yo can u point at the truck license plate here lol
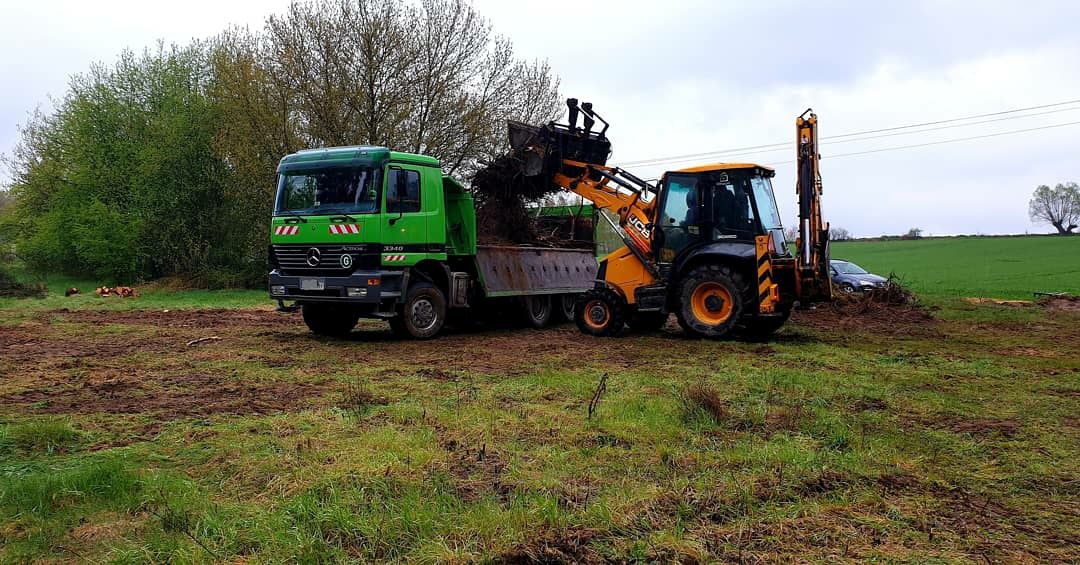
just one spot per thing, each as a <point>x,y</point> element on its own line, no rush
<point>312,284</point>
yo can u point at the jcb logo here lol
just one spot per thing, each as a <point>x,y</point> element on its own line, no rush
<point>639,226</point>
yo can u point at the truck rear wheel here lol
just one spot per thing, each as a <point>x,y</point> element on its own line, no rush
<point>423,314</point>
<point>537,310</point>
<point>565,303</point>
<point>329,319</point>
<point>600,312</point>
<point>710,300</point>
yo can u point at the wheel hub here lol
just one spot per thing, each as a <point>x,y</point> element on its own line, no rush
<point>714,303</point>
<point>423,314</point>
<point>597,314</point>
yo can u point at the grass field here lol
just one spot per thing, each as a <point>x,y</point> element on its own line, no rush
<point>893,436</point>
<point>998,267</point>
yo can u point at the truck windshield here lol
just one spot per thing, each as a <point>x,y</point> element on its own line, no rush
<point>328,191</point>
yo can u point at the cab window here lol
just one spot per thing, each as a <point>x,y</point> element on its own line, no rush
<point>402,191</point>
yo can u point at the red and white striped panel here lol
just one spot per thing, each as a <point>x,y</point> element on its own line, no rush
<point>286,230</point>
<point>342,229</point>
<point>393,258</point>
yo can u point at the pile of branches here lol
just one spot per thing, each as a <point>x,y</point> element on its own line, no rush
<point>890,298</point>
<point>502,193</point>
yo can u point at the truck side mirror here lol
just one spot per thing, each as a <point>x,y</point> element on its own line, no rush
<point>395,191</point>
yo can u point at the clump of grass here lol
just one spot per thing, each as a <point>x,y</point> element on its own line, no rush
<point>358,397</point>
<point>701,403</point>
<point>40,436</point>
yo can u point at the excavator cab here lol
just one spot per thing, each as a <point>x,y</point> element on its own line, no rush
<point>722,203</point>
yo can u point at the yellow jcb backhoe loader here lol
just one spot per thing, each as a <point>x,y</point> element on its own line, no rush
<point>704,242</point>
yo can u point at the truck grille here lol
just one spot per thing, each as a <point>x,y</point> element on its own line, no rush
<point>294,259</point>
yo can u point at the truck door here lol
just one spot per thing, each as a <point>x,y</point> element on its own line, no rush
<point>405,229</point>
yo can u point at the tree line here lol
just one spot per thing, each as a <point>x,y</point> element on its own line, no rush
<point>162,163</point>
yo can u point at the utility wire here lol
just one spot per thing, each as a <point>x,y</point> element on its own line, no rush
<point>688,156</point>
<point>974,137</point>
<point>787,146</point>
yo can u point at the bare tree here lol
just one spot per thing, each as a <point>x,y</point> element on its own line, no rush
<point>839,234</point>
<point>431,78</point>
<point>1058,206</point>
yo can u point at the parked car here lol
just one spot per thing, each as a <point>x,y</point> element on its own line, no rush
<point>849,277</point>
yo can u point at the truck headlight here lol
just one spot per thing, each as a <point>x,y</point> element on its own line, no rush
<point>355,292</point>
<point>277,290</point>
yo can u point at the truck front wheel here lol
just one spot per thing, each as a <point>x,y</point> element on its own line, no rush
<point>330,319</point>
<point>423,314</point>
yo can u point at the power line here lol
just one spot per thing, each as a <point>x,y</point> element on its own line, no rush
<point>787,146</point>
<point>899,147</point>
<point>684,157</point>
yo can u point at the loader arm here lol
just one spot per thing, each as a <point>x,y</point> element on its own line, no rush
<point>616,191</point>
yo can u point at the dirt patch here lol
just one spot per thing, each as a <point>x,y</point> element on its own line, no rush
<point>1061,303</point>
<point>987,426</point>
<point>866,404</point>
<point>570,545</point>
<point>167,397</point>
<point>897,320</point>
<point>981,427</point>
<point>210,318</point>
<point>475,470</point>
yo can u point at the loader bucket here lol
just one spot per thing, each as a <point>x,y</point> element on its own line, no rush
<point>542,149</point>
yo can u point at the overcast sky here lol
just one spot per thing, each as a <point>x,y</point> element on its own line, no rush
<point>677,78</point>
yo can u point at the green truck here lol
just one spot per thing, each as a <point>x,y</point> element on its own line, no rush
<point>369,232</point>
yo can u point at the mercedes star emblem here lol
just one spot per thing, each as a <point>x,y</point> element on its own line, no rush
<point>313,257</point>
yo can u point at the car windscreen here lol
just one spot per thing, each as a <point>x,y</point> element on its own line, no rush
<point>343,190</point>
<point>849,269</point>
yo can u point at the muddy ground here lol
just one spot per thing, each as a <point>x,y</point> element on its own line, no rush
<point>964,405</point>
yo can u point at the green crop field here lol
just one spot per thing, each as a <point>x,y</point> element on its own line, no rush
<point>992,267</point>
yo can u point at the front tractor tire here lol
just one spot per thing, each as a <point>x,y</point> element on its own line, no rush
<point>600,312</point>
<point>423,314</point>
<point>711,301</point>
<point>330,320</point>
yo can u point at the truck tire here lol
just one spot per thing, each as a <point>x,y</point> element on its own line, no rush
<point>765,326</point>
<point>711,300</point>
<point>423,314</point>
<point>565,304</point>
<point>600,312</point>
<point>329,319</point>
<point>646,322</point>
<point>537,310</point>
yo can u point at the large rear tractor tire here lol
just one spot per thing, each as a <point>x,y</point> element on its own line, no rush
<point>537,310</point>
<point>423,314</point>
<point>647,322</point>
<point>711,299</point>
<point>331,320</point>
<point>600,312</point>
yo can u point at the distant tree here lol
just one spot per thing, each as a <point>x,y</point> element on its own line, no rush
<point>790,233</point>
<point>1058,206</point>
<point>913,233</point>
<point>839,234</point>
